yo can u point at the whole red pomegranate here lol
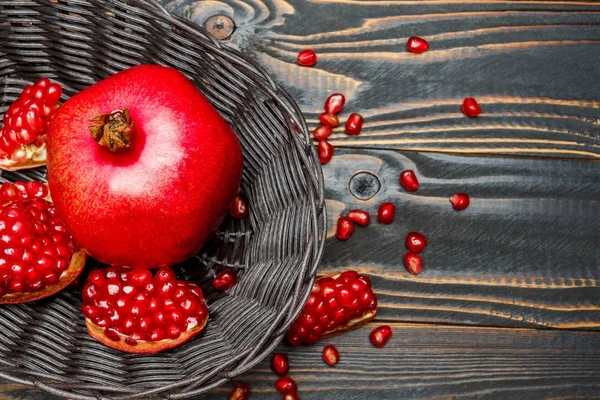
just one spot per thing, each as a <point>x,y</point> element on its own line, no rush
<point>142,168</point>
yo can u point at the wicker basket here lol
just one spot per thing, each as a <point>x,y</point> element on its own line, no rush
<point>276,249</point>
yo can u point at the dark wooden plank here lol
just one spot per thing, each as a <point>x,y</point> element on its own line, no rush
<point>427,362</point>
<point>531,64</point>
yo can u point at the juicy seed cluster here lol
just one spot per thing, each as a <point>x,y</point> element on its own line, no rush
<point>142,307</point>
<point>333,304</point>
<point>35,248</point>
<point>26,119</point>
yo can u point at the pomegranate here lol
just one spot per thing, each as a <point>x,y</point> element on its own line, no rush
<point>155,177</point>
<point>460,201</point>
<point>325,150</point>
<point>381,335</point>
<point>331,355</point>
<point>334,103</point>
<point>330,120</point>
<point>307,58</point>
<point>225,279</point>
<point>38,257</point>
<point>470,107</point>
<point>241,391</point>
<point>413,262</point>
<point>285,384</point>
<point>239,208</point>
<point>345,228</point>
<point>359,217</point>
<point>416,242</point>
<point>416,44</point>
<point>280,365</point>
<point>337,303</point>
<point>386,213</point>
<point>409,180</point>
<point>354,124</point>
<point>132,311</point>
<point>322,132</point>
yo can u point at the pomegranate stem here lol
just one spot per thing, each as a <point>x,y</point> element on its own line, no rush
<point>113,131</point>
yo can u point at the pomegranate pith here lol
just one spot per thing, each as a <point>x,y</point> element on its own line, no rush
<point>331,355</point>
<point>280,365</point>
<point>307,58</point>
<point>413,262</point>
<point>409,180</point>
<point>354,124</point>
<point>240,391</point>
<point>386,213</point>
<point>381,335</point>
<point>359,217</point>
<point>335,103</point>
<point>460,201</point>
<point>285,384</point>
<point>416,242</point>
<point>225,279</point>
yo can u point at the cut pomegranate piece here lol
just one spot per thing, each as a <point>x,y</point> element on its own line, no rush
<point>241,391</point>
<point>416,241</point>
<point>325,150</point>
<point>331,355</point>
<point>322,132</point>
<point>225,279</point>
<point>285,384</point>
<point>386,213</point>
<point>239,208</point>
<point>409,180</point>
<point>359,217</point>
<point>470,107</point>
<point>38,257</point>
<point>381,335</point>
<point>417,45</point>
<point>330,120</point>
<point>335,103</point>
<point>354,124</point>
<point>307,58</point>
<point>460,201</point>
<point>280,365</point>
<point>337,303</point>
<point>345,228</point>
<point>413,262</point>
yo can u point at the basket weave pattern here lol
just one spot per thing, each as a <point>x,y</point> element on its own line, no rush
<point>275,250</point>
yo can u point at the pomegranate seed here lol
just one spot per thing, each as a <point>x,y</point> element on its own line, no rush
<point>240,391</point>
<point>345,228</point>
<point>225,279</point>
<point>354,124</point>
<point>307,58</point>
<point>417,45</point>
<point>331,355</point>
<point>359,217</point>
<point>279,364</point>
<point>460,201</point>
<point>416,242</point>
<point>386,213</point>
<point>381,335</point>
<point>322,132</point>
<point>330,120</point>
<point>239,208</point>
<point>325,150</point>
<point>409,181</point>
<point>335,103</point>
<point>290,396</point>
<point>285,384</point>
<point>470,107</point>
<point>413,262</point>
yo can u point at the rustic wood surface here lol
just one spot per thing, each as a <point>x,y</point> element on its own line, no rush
<point>508,305</point>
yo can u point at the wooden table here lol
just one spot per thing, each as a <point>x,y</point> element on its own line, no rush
<point>508,305</point>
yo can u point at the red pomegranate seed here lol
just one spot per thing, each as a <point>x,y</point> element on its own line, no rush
<point>325,150</point>
<point>239,208</point>
<point>386,213</point>
<point>345,228</point>
<point>331,355</point>
<point>322,132</point>
<point>354,124</point>
<point>330,120</point>
<point>409,180</point>
<point>417,45</point>
<point>413,262</point>
<point>416,242</point>
<point>335,103</point>
<point>280,365</point>
<point>359,217</point>
<point>470,107</point>
<point>381,335</point>
<point>241,391</point>
<point>307,58</point>
<point>460,201</point>
<point>225,279</point>
<point>290,396</point>
<point>285,384</point>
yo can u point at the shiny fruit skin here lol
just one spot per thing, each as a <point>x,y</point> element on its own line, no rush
<point>157,203</point>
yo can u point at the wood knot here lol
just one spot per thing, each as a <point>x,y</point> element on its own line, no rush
<point>220,27</point>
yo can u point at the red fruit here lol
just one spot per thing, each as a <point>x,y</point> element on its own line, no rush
<point>337,303</point>
<point>360,217</point>
<point>225,279</point>
<point>470,107</point>
<point>239,208</point>
<point>460,201</point>
<point>163,319</point>
<point>307,58</point>
<point>322,132</point>
<point>413,262</point>
<point>38,257</point>
<point>417,45</point>
<point>416,242</point>
<point>409,180</point>
<point>386,213</point>
<point>290,396</point>
<point>162,189</point>
<point>331,355</point>
<point>240,391</point>
<point>335,103</point>
<point>354,124</point>
<point>285,384</point>
<point>330,120</point>
<point>381,335</point>
<point>325,150</point>
<point>345,228</point>
<point>279,364</point>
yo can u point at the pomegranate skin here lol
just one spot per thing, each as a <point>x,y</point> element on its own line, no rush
<point>158,202</point>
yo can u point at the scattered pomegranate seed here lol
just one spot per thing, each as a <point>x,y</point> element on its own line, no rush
<point>470,107</point>
<point>360,217</point>
<point>416,241</point>
<point>354,124</point>
<point>386,213</point>
<point>330,120</point>
<point>381,335</point>
<point>331,355</point>
<point>280,365</point>
<point>322,132</point>
<point>307,58</point>
<point>290,396</point>
<point>417,45</point>
<point>285,384</point>
<point>239,208</point>
<point>345,228</point>
<point>325,150</point>
<point>409,180</point>
<point>240,391</point>
<point>335,103</point>
<point>225,279</point>
<point>460,201</point>
<point>413,262</point>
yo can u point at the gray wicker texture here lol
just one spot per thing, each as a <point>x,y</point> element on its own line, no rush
<point>275,250</point>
